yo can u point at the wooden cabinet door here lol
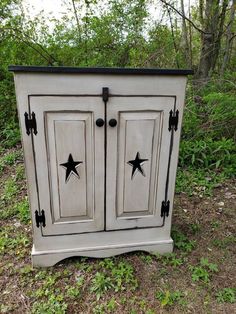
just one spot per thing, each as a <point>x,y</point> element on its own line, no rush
<point>138,150</point>
<point>69,163</point>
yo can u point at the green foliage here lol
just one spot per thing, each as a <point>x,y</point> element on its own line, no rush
<point>23,211</point>
<point>203,271</point>
<point>168,298</point>
<point>118,277</point>
<point>10,159</point>
<point>10,244</point>
<point>171,259</point>
<point>203,164</point>
<point>147,258</point>
<point>195,228</point>
<point>225,242</point>
<point>207,150</point>
<point>10,190</point>
<point>100,284</point>
<point>123,276</point>
<point>10,135</point>
<point>181,241</point>
<point>221,110</point>
<point>54,304</point>
<point>107,307</point>
<point>75,292</point>
<point>209,154</point>
<point>226,295</point>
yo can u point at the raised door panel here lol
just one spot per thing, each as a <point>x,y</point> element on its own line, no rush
<point>137,161</point>
<point>69,158</point>
<point>138,152</point>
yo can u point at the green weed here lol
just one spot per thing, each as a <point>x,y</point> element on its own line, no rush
<point>10,190</point>
<point>205,163</point>
<point>117,277</point>
<point>100,284</point>
<point>8,212</point>
<point>20,172</point>
<point>203,271</point>
<point>23,211</point>
<point>181,241</point>
<point>147,258</point>
<point>226,295</point>
<point>225,242</point>
<point>12,244</point>
<point>10,135</point>
<point>168,298</point>
<point>75,291</point>
<point>123,276</point>
<point>195,228</point>
<point>107,263</point>
<point>11,158</point>
<point>54,304</point>
<point>208,154</point>
<point>107,307</point>
<point>171,259</point>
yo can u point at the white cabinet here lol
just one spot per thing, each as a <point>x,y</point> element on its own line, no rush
<point>101,148</point>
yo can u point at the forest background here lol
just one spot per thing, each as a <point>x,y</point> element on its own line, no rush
<point>200,35</point>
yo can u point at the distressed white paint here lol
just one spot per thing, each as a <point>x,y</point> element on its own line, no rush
<point>75,210</point>
<point>143,127</point>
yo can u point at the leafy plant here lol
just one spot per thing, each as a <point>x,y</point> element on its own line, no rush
<point>225,242</point>
<point>123,276</point>
<point>10,135</point>
<point>54,304</point>
<point>226,295</point>
<point>23,211</point>
<point>208,154</point>
<point>100,284</point>
<point>171,259</point>
<point>10,244</point>
<point>75,291</point>
<point>11,157</point>
<point>147,258</point>
<point>10,190</point>
<point>181,241</point>
<point>168,298</point>
<point>203,270</point>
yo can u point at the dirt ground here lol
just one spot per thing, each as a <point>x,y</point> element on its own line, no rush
<point>191,280</point>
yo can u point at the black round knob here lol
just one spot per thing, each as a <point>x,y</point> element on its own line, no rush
<point>113,123</point>
<point>100,122</point>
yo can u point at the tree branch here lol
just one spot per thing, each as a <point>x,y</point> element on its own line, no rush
<point>29,44</point>
<point>76,16</point>
<point>33,41</point>
<point>185,17</point>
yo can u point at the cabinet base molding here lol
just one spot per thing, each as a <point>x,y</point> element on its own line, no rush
<point>42,258</point>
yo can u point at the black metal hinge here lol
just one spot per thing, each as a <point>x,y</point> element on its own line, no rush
<point>165,207</point>
<point>105,94</point>
<point>40,219</point>
<point>30,124</point>
<point>173,120</point>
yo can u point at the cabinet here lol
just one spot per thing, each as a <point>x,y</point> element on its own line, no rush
<point>100,148</point>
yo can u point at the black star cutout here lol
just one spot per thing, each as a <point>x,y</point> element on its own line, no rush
<point>136,164</point>
<point>70,167</point>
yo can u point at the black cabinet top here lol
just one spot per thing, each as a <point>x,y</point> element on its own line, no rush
<point>90,70</point>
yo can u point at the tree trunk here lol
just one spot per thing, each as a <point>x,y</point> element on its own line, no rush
<point>213,22</point>
<point>229,38</point>
<point>217,44</point>
<point>184,39</point>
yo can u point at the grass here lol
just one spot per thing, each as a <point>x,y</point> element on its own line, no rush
<point>199,273</point>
